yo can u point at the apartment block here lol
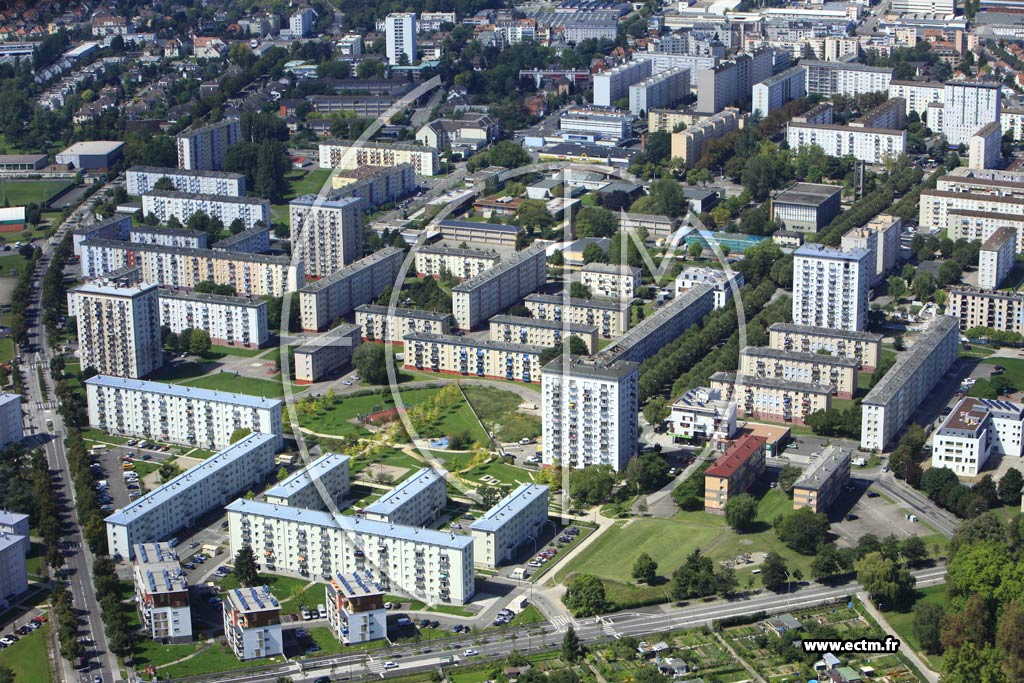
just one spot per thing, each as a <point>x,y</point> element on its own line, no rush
<point>13,568</point>
<point>168,237</point>
<point>348,155</point>
<point>863,347</point>
<point>977,181</point>
<point>656,226</point>
<point>1012,121</point>
<point>663,326</point>
<point>890,115</point>
<point>845,78</point>
<point>823,481</point>
<point>400,38</point>
<point>182,205</point>
<point>429,565</point>
<point>118,328</point>
<point>737,471</point>
<point>252,623</point>
<point>178,414</point>
<point>180,502</point>
<point>477,299</point>
<point>592,123</point>
<point>613,84</point>
<point>204,149</point>
<point>917,95</point>
<point>383,324</point>
<point>506,528</point>
<point>328,299</point>
<point>721,280</point>
<point>326,233</point>
<point>895,398</point>
<point>252,241</point>
<point>689,143</point>
<point>731,82</point>
<point>975,430</point>
<point>416,502</point>
<point>985,146</point>
<point>880,237</point>
<point>775,92</point>
<point>664,89</point>
<point>965,211</point>
<point>229,320</point>
<point>374,186</point>
<point>490,234</point>
<point>116,228</point>
<point>768,398</point>
<point>589,412</point>
<point>355,607</point>
<point>1000,311</point>
<point>323,484</point>
<point>835,372</point>
<point>249,274</point>
<point>462,355</point>
<point>539,332</point>
<point>870,145</point>
<point>997,257</point>
<point>142,179</point>
<point>701,415</point>
<point>806,207</point>
<point>967,107</point>
<point>830,287</point>
<point>323,354</point>
<point>161,593</point>
<point>464,264</point>
<point>610,317</point>
<point>12,421</point>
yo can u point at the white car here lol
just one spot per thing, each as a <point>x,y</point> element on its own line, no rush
<point>390,665</point>
<point>471,653</point>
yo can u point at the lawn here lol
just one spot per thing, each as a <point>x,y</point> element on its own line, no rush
<point>451,609</point>
<point>306,182</point>
<point>181,371</point>
<point>1014,368</point>
<point>148,651</point>
<point>211,660</point>
<point>12,265</point>
<point>903,622</point>
<point>22,192</point>
<point>284,588</point>
<point>498,409</point>
<point>35,563</point>
<point>238,384</point>
<point>28,657</point>
<point>216,352</point>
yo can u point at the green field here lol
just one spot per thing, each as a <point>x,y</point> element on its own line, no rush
<point>1014,369</point>
<point>21,192</point>
<point>306,182</point>
<point>28,657</point>
<point>903,622</point>
<point>499,411</point>
<point>212,659</point>
<point>12,264</point>
<point>238,384</point>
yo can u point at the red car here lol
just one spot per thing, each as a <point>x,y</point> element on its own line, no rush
<point>41,619</point>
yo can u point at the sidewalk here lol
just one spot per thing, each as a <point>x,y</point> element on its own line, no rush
<point>907,651</point>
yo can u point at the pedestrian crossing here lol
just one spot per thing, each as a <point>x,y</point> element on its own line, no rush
<point>45,405</point>
<point>375,666</point>
<point>562,623</point>
<point>608,627</point>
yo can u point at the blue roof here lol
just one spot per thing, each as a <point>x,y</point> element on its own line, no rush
<point>183,391</point>
<point>404,492</point>
<point>8,517</point>
<point>308,474</point>
<point>355,525</point>
<point>168,491</point>
<point>509,506</point>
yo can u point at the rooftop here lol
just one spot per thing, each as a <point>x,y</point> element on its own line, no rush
<point>831,460</point>
<point>736,456</point>
<point>240,237</point>
<point>394,499</point>
<point>7,517</point>
<point>782,354</point>
<point>318,201</point>
<point>221,299</point>
<point>100,288</point>
<point>820,251</point>
<point>472,342</point>
<point>373,309</point>
<point>500,268</point>
<point>909,362</point>
<point>351,269</point>
<point>336,336</point>
<point>190,251</point>
<point>845,66</point>
<point>379,145</point>
<point>224,199</point>
<point>541,322</point>
<point>1000,237</point>
<point>162,170</point>
<point>94,147</point>
<point>179,390</point>
<point>808,194</point>
<point>357,584</point>
<point>589,366</point>
<point>848,129</point>
<point>509,506</point>
<point>792,328</point>
<point>158,570</point>
<point>465,253</point>
<point>611,269</point>
<point>770,383</point>
<point>158,230</point>
<point>250,600</point>
<point>560,300</point>
<point>482,227</point>
<point>308,474</point>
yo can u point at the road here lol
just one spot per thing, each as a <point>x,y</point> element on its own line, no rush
<point>39,408</point>
<point>496,645</point>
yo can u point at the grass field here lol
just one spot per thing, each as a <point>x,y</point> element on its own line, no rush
<point>21,192</point>
<point>499,411</point>
<point>229,381</point>
<point>12,264</point>
<point>210,660</point>
<point>28,657</point>
<point>903,622</point>
<point>306,182</point>
<point>1014,368</point>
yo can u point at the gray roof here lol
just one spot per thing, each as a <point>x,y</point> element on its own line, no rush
<point>484,227</point>
<point>332,337</point>
<point>378,145</point>
<point>792,328</point>
<point>583,366</point>
<point>8,517</point>
<point>158,230</point>
<point>808,194</point>
<point>242,236</point>
<point>770,383</point>
<point>308,474</point>
<point>821,469</point>
<point>560,300</point>
<point>523,321</point>
<point>845,66</point>
<point>508,507</point>
<point>190,251</point>
<point>220,299</point>
<point>501,267</point>
<point>909,362</point>
<point>179,390</point>
<point>351,269</point>
<point>163,170</point>
<point>401,312</point>
<point>391,501</point>
<point>611,269</point>
<point>467,253</point>
<point>782,75</point>
<point>207,128</point>
<point>782,354</point>
<point>456,340</point>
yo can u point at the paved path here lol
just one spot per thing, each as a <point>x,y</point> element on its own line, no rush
<point>660,503</point>
<point>904,647</point>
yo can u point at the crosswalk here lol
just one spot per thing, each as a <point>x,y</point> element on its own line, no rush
<point>608,627</point>
<point>562,623</point>
<point>375,666</point>
<point>45,405</point>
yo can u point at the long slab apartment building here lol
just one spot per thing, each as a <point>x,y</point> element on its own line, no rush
<point>837,373</point>
<point>502,530</point>
<point>416,502</point>
<point>610,317</point>
<point>354,155</point>
<point>142,179</point>
<point>178,414</point>
<point>469,356</point>
<point>863,347</point>
<point>321,485</point>
<point>497,288</point>
<point>390,325</point>
<point>772,398</point>
<point>320,356</point>
<point>183,500</point>
<point>539,332</point>
<point>183,205</point>
<point>229,320</point>
<point>328,299</point>
<point>464,264</point>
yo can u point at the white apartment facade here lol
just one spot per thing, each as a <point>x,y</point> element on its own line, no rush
<point>997,257</point>
<point>771,398</point>
<point>229,320</point>
<point>613,84</point>
<point>611,281</point>
<point>13,569</point>
<point>140,179</point>
<point>664,89</point>
<point>701,415</point>
<point>321,485</point>
<point>975,430</point>
<point>539,332</point>
<point>12,422</point>
<point>870,145</point>
<point>204,149</point>
<point>349,156</point>
<point>328,299</point>
<point>168,237</point>
<point>863,347</point>
<point>161,593</point>
<point>880,237</point>
<point>830,287</point>
<point>985,146</point>
<point>845,78</point>
<point>497,288</point>
<point>325,353</point>
<point>515,520</point>
<point>469,356</point>
<point>183,205</point>
<point>917,95</point>
<point>326,233</point>
<point>463,264</point>
<point>721,280</point>
<point>355,607</point>
<point>400,38</point>
<point>967,107</point>
<point>610,317</point>
<point>118,328</point>
<point>383,324</point>
<point>417,501</point>
<point>1000,311</point>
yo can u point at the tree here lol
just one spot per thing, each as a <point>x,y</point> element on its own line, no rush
<point>897,288</point>
<point>1010,639</point>
<point>578,290</point>
<point>695,578</point>
<point>371,362</point>
<point>885,580</point>
<point>830,562</point>
<point>913,549</point>
<point>923,285</point>
<point>240,434</point>
<point>657,411</point>
<point>645,569</point>
<point>788,476</point>
<point>802,530</point>
<point>741,511</point>
<point>928,627</point>
<point>591,485</point>
<point>199,342</point>
<point>970,664</point>
<point>1010,485</point>
<point>490,495</point>
<point>571,648</point>
<point>695,250</point>
<point>726,582</point>
<point>585,595</point>
<point>593,253</point>
<point>245,566</point>
<point>595,221</point>
<point>774,574</point>
<point>6,674</point>
<point>282,473</point>
<point>646,472</point>
<point>533,215</point>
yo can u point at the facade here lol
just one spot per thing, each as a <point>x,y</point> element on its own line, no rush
<point>140,179</point>
<point>168,237</point>
<point>894,399</point>
<point>468,134</point>
<point>806,207</point>
<point>252,241</point>
<point>985,146</point>
<point>610,317</point>
<point>890,115</point>
<point>118,328</point>
<point>870,145</point>
<point>823,481</point>
<point>774,93</point>
<point>348,156</point>
<point>463,355</point>
<point>721,280</point>
<point>975,430</point>
<point>1011,120</point>
<point>93,155</point>
<point>775,400</point>
<point>229,320</point>
<point>611,281</point>
<point>967,108</point>
<point>656,226</point>
<point>161,593</point>
<point>203,149</point>
<point>731,82</point>
<point>13,569</point>
<point>178,414</point>
<point>702,415</point>
<point>430,565</point>
<point>400,38</point>
<point>179,267</point>
<point>491,234</point>
<point>881,239</point>
<point>539,332</point>
<point>590,124</point>
<point>517,519</point>
<point>830,287</point>
<point>252,623</point>
<point>689,143</point>
<point>613,84</point>
<point>1000,311</point>
<point>967,212</point>
<point>182,205</point>
<point>328,299</point>
<point>659,329</point>
<point>375,185</point>
<point>863,347</point>
<point>321,485</point>
<point>589,410</point>
<point>845,78</point>
<point>664,89</point>
<point>837,373</point>
<point>116,228</point>
<point>737,471</point>
<point>463,264</point>
<point>378,323</point>
<point>416,502</point>
<point>12,422</point>
<point>355,607</point>
<point>325,353</point>
<point>917,95</point>
<point>326,233</point>
<point>497,288</point>
<point>180,502</point>
<point>996,257</point>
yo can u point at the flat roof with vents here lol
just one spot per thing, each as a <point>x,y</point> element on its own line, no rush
<point>509,506</point>
<point>391,501</point>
